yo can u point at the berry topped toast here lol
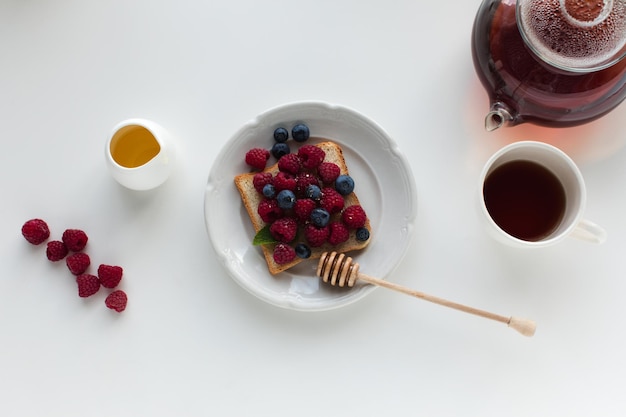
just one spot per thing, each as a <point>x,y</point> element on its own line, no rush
<point>303,205</point>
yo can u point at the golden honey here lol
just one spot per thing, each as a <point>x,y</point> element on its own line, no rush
<point>133,146</point>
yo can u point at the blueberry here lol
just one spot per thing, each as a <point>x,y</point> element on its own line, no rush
<point>362,234</point>
<point>280,149</point>
<point>281,135</point>
<point>300,132</point>
<point>286,199</point>
<point>269,191</point>
<point>302,251</point>
<point>344,184</point>
<point>313,191</point>
<point>320,217</point>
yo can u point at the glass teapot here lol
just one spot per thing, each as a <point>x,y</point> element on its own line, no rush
<point>550,62</point>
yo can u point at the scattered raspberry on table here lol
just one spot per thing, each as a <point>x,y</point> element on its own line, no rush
<point>35,231</point>
<point>78,263</point>
<point>110,275</point>
<point>88,285</point>
<point>117,301</point>
<point>75,239</point>
<point>56,250</point>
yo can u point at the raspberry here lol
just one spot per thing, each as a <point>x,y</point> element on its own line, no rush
<point>56,250</point>
<point>354,216</point>
<point>303,208</point>
<point>283,254</point>
<point>303,181</point>
<point>284,181</point>
<point>117,301</point>
<point>290,163</point>
<point>87,285</point>
<point>75,239</point>
<point>284,230</point>
<point>257,158</point>
<point>311,156</point>
<point>35,231</point>
<point>328,172</point>
<point>269,211</point>
<point>78,262</point>
<point>339,233</point>
<point>316,236</point>
<point>331,200</point>
<point>261,179</point>
<point>109,275</point>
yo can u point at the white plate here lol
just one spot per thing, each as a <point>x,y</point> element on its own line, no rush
<point>384,184</point>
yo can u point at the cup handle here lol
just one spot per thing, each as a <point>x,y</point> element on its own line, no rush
<point>589,231</point>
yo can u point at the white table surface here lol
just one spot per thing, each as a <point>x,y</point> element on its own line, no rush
<point>192,342</point>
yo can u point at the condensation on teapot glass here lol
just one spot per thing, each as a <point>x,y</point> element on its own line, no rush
<point>574,35</point>
<point>550,62</point>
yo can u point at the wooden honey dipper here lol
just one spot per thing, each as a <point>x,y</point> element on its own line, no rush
<point>337,269</point>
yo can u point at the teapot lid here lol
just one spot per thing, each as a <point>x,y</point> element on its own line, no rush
<point>574,35</point>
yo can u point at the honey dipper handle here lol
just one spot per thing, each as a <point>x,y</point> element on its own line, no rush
<point>524,326</point>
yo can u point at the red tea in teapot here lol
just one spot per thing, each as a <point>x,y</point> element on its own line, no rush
<point>550,62</point>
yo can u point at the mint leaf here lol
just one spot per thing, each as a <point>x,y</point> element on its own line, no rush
<point>263,237</point>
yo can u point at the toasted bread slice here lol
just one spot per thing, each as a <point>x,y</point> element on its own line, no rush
<point>251,199</point>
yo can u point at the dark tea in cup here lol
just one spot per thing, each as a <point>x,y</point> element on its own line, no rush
<point>525,199</point>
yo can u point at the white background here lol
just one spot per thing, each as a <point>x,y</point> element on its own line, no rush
<point>192,342</point>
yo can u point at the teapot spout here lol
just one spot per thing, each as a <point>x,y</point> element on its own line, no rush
<point>498,116</point>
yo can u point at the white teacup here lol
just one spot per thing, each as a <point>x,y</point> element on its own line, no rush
<point>140,154</point>
<point>532,195</point>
